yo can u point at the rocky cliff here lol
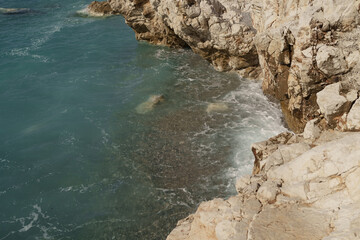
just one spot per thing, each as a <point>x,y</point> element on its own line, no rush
<point>307,53</point>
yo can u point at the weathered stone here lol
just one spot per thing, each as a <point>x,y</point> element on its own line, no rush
<point>312,131</point>
<point>353,118</point>
<point>332,104</point>
<point>290,222</point>
<point>305,197</point>
<point>268,191</point>
<point>100,8</point>
<point>241,183</point>
<point>331,60</point>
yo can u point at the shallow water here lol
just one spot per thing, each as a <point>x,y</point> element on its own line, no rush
<point>76,159</point>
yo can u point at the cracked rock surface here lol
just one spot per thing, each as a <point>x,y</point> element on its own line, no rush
<point>301,189</point>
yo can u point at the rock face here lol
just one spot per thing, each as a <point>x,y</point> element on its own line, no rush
<point>140,15</point>
<point>100,9</point>
<point>300,190</point>
<point>304,46</point>
<point>219,30</point>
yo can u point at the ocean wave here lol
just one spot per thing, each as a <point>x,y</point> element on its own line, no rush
<point>37,43</point>
<point>36,219</point>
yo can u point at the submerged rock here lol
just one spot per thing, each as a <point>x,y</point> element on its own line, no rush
<point>217,107</point>
<point>149,105</point>
<point>15,11</point>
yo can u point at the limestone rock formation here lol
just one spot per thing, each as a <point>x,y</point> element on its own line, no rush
<point>304,46</point>
<point>141,16</point>
<point>100,9</point>
<point>219,30</point>
<point>302,190</point>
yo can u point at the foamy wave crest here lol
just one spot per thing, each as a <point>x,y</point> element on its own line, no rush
<point>85,12</point>
<point>37,43</point>
<point>258,120</point>
<point>33,220</point>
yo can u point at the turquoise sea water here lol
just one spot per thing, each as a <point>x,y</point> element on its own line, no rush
<point>76,159</point>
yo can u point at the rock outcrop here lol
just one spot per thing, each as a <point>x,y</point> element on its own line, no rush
<point>148,25</point>
<point>307,53</point>
<point>301,189</point>
<point>220,31</point>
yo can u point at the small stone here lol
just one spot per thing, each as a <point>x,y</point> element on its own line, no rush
<point>353,117</point>
<point>267,192</point>
<point>312,131</point>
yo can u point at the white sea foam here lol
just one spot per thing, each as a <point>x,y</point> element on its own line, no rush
<point>259,119</point>
<point>79,188</point>
<point>37,43</point>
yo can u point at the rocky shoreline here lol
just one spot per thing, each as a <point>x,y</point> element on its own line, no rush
<point>307,54</point>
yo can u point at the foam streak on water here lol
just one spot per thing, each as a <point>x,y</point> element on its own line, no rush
<point>77,161</point>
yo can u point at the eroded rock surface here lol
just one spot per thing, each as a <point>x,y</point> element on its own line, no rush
<point>302,190</point>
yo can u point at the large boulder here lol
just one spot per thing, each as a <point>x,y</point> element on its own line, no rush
<point>331,102</point>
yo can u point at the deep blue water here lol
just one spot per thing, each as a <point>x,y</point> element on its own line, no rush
<point>77,161</point>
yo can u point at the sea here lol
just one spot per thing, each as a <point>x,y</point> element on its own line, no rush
<point>78,160</point>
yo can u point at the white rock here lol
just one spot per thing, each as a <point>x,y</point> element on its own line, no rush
<point>330,102</point>
<point>331,60</point>
<point>353,117</point>
<point>352,183</point>
<point>267,192</point>
<point>311,131</point>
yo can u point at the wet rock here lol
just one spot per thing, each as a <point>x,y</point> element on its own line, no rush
<point>100,9</point>
<point>15,11</point>
<point>149,105</point>
<point>148,25</point>
<point>217,107</point>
